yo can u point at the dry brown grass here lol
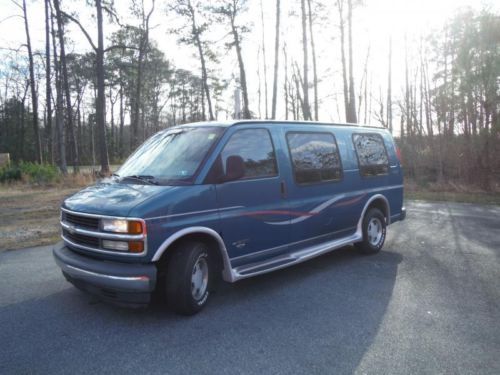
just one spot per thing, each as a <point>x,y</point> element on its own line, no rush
<point>29,215</point>
<point>452,192</point>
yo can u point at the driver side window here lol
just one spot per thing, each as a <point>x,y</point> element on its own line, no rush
<point>256,149</point>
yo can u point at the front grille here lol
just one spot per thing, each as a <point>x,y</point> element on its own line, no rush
<point>81,221</point>
<point>81,239</point>
<point>83,232</point>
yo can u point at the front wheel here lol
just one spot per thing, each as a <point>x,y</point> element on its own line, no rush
<point>374,231</point>
<point>188,278</point>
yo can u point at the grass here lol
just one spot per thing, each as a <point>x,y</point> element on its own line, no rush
<point>450,192</point>
<point>29,215</point>
<point>444,196</point>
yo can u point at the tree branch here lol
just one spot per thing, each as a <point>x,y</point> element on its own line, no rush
<point>81,28</point>
<point>119,46</point>
<point>9,17</point>
<point>112,14</point>
<point>17,4</point>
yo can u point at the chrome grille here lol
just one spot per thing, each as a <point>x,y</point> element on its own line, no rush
<point>81,239</point>
<point>82,231</point>
<point>81,221</point>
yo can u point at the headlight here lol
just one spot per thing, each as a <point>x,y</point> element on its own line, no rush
<point>114,225</point>
<point>122,226</point>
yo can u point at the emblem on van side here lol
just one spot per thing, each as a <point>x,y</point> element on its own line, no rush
<point>241,243</point>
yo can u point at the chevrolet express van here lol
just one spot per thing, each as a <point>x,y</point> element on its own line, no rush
<point>233,200</point>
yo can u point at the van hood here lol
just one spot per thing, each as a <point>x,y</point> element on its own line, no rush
<point>112,198</point>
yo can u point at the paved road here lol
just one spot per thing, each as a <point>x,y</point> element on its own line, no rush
<point>429,303</point>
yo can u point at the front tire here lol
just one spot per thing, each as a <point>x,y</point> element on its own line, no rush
<point>188,278</point>
<point>374,232</point>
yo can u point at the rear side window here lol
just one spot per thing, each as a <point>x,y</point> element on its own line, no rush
<point>372,155</point>
<point>256,149</point>
<point>315,157</point>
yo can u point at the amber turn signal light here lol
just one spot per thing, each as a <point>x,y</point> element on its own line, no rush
<point>134,227</point>
<point>136,246</point>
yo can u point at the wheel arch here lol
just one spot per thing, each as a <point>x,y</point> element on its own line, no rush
<point>378,201</point>
<point>204,234</point>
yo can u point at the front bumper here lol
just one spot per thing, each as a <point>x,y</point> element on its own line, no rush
<point>120,283</point>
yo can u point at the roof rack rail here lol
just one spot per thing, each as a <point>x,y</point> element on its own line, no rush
<point>293,122</point>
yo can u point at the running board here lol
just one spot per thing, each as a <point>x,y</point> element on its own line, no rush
<point>286,260</point>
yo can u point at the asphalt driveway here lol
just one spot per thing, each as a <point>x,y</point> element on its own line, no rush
<point>428,303</point>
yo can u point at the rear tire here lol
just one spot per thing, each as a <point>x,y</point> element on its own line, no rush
<point>188,279</point>
<point>374,232</point>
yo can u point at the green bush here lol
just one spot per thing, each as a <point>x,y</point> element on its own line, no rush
<point>10,173</point>
<point>31,172</point>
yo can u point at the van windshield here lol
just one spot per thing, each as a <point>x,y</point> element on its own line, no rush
<point>170,157</point>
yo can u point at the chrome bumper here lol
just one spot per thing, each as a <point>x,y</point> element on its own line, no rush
<point>96,276</point>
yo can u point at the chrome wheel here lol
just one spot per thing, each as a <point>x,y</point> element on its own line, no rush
<point>374,231</point>
<point>199,278</point>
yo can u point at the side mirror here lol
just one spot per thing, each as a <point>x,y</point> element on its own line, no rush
<point>235,168</point>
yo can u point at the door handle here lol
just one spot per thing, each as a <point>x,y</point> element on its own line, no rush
<point>283,189</point>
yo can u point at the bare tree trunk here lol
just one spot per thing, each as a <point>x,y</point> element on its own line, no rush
<point>340,6</point>
<point>79,117</point>
<point>63,166</point>
<point>69,112</point>
<point>204,75</point>
<point>315,70</point>
<point>34,97</point>
<point>265,60</point>
<point>143,49</point>
<point>305,86</point>
<point>451,124</point>
<point>389,89</point>
<point>112,145</point>
<point>243,79</point>
<point>259,88</point>
<point>407,115</point>
<point>363,100</point>
<point>276,60</point>
<point>59,105</point>
<point>122,119</point>
<point>352,97</point>
<point>101,96</point>
<point>203,113</point>
<point>285,85</point>
<point>48,87</point>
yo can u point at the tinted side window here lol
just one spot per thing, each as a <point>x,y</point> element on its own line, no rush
<point>256,149</point>
<point>315,157</point>
<point>372,155</point>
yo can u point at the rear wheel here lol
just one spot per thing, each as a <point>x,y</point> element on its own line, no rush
<point>188,278</point>
<point>374,231</point>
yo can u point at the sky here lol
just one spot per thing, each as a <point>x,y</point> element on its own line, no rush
<point>374,24</point>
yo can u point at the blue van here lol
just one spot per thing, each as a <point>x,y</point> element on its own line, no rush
<point>233,200</point>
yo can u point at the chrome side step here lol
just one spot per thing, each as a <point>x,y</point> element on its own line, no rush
<point>286,260</point>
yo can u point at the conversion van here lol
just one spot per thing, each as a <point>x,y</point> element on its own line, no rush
<point>233,200</point>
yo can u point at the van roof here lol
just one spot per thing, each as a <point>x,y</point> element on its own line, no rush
<point>229,123</point>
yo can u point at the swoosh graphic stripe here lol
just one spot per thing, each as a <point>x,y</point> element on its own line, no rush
<point>331,201</point>
<point>278,212</point>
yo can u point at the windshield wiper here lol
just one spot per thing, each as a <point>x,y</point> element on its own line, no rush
<point>144,178</point>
